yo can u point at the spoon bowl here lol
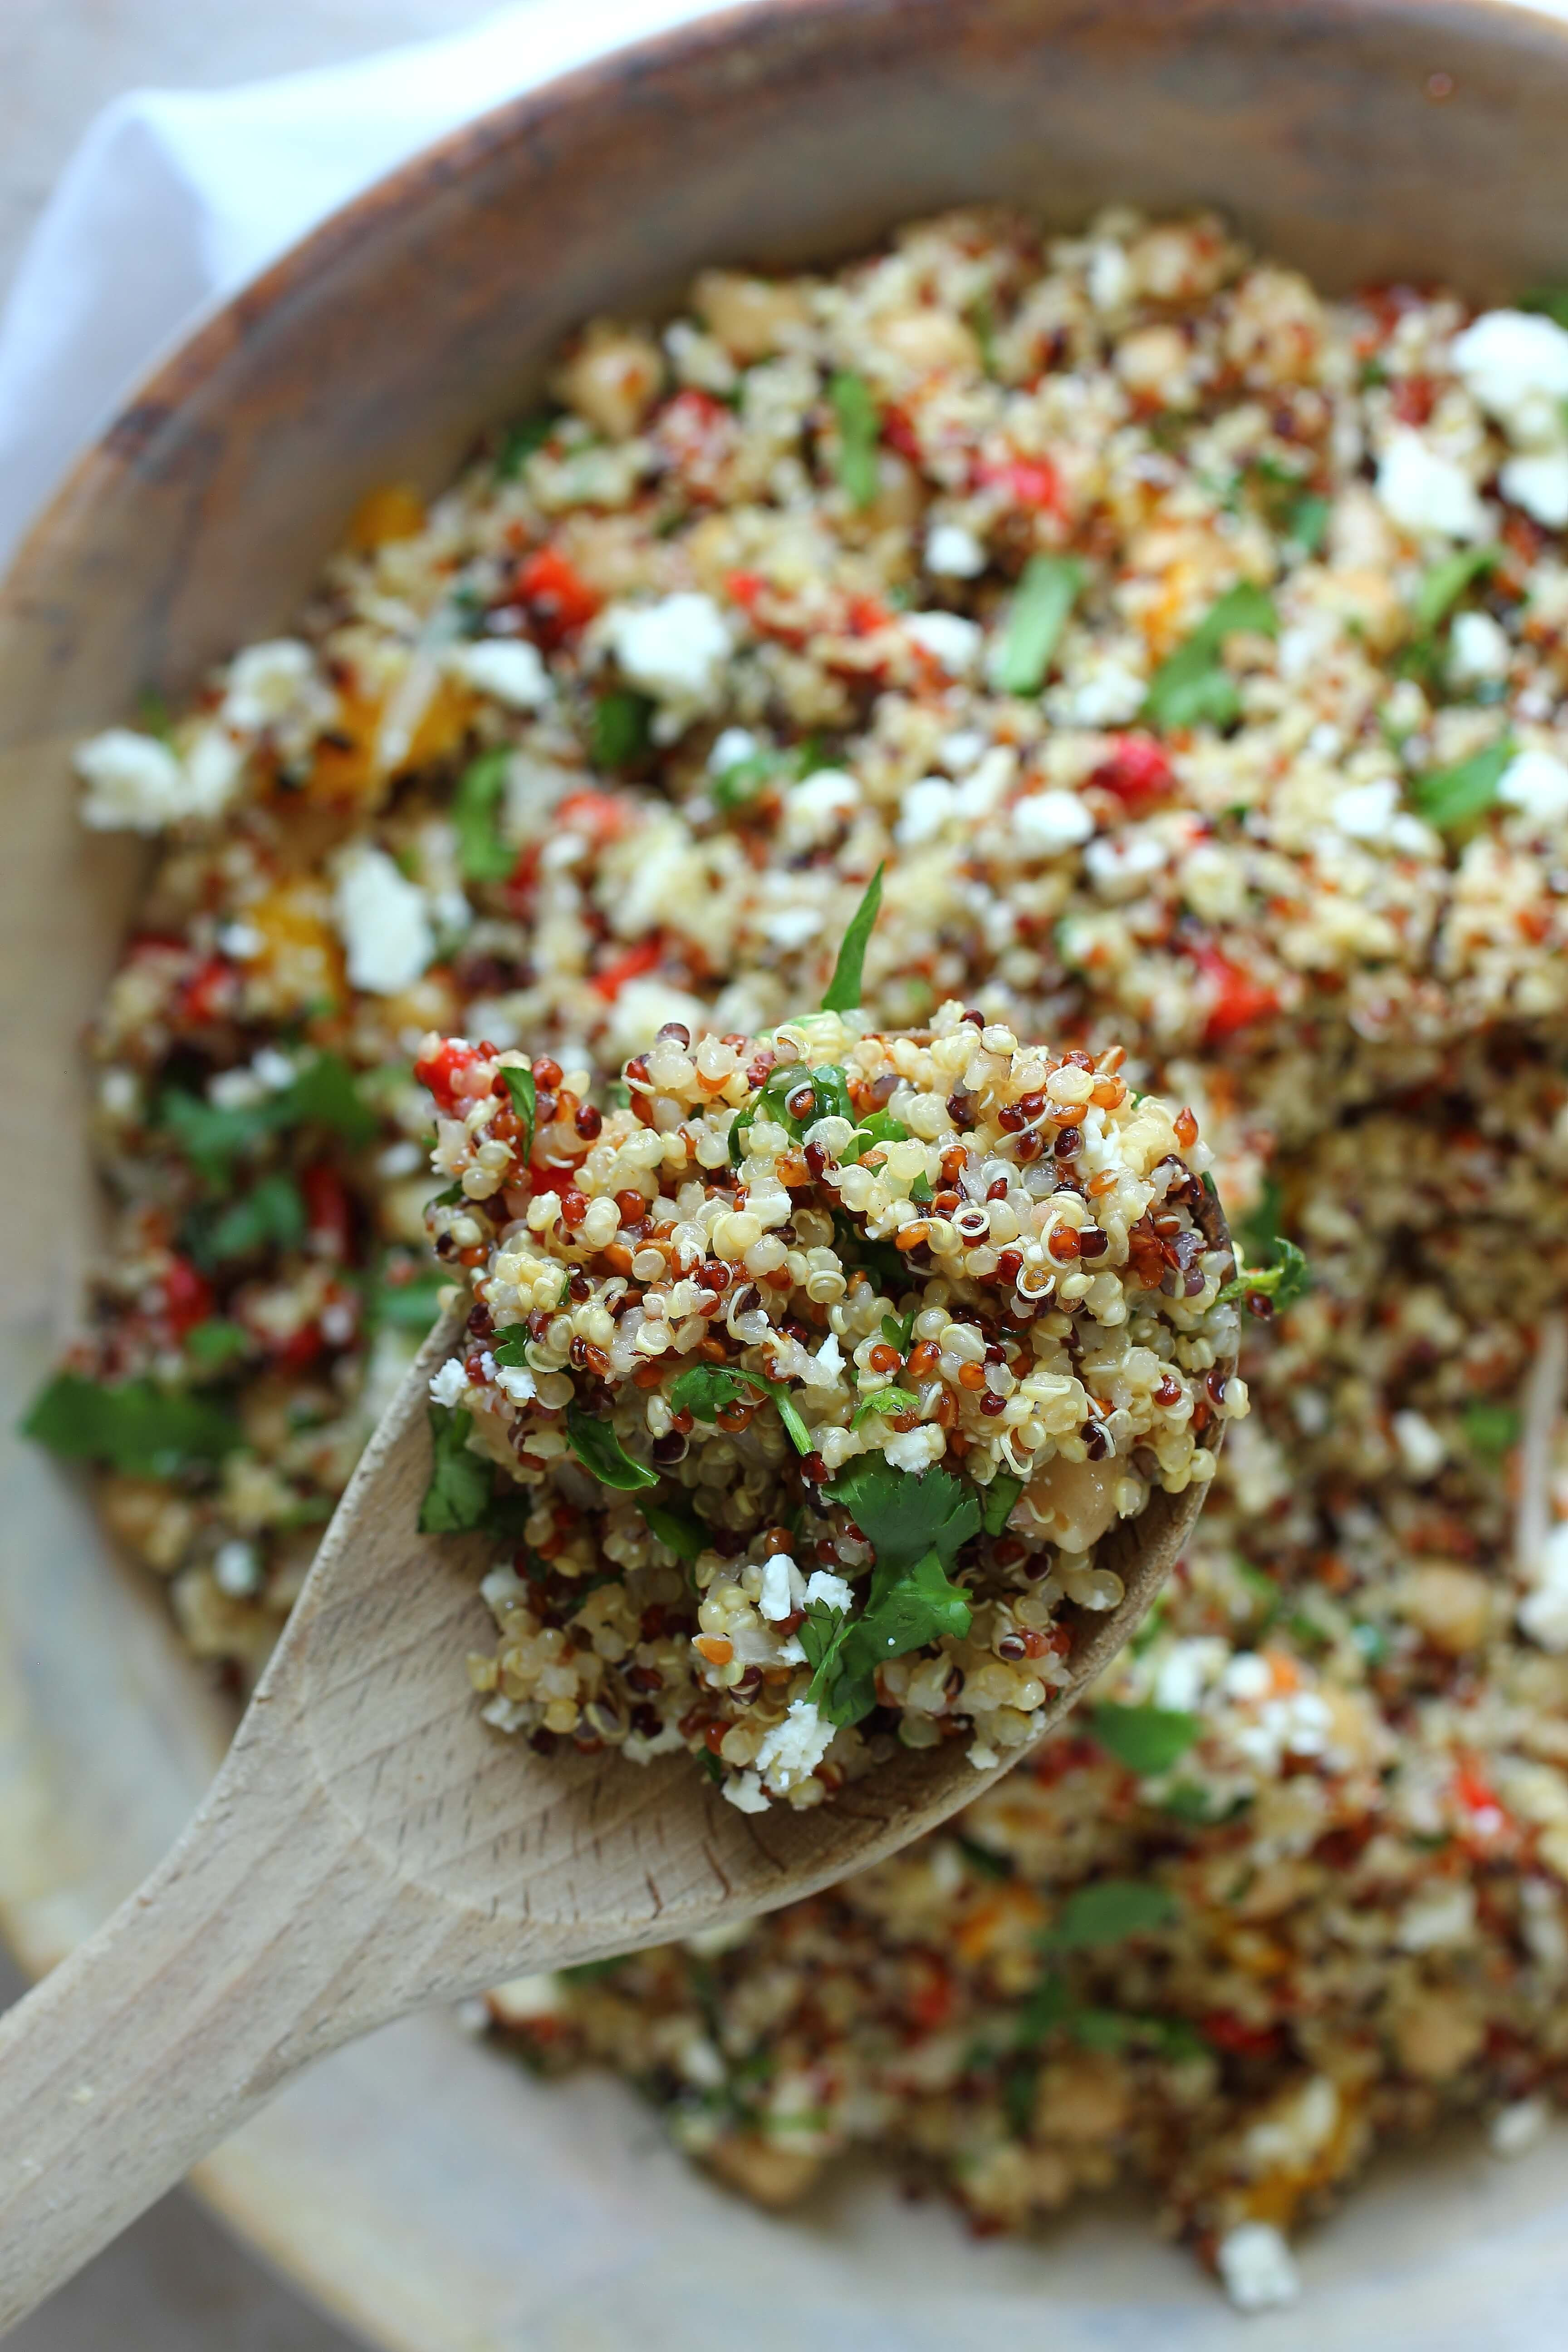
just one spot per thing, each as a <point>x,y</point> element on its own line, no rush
<point>372,1847</point>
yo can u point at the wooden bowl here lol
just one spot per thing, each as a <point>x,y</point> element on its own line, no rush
<point>434,2196</point>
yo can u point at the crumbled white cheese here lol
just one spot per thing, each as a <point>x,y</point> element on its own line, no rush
<point>383,921</point>
<point>732,745</point>
<point>1109,278</point>
<point>1478,649</point>
<point>448,1382</point>
<point>1515,365</point>
<point>950,640</point>
<point>516,1381</point>
<point>521,1998</point>
<point>1109,695</point>
<point>783,1590</point>
<point>237,1568</point>
<point>817,806</point>
<point>677,650</point>
<point>1426,494</point>
<point>1048,823</point>
<point>1536,784</point>
<point>822,1585</point>
<point>1520,2125</point>
<point>698,359</point>
<point>1365,812</point>
<point>214,765</point>
<point>744,1792</point>
<point>929,804</point>
<point>1422,1452</point>
<point>791,927</point>
<point>235,1090</point>
<point>1538,481</point>
<point>792,1751</point>
<point>915,1449</point>
<point>241,941</point>
<point>1120,866</point>
<point>509,670</point>
<point>953,553</point>
<point>1256,2266</point>
<point>265,682</point>
<point>1544,1612</point>
<point>135,783</point>
<point>829,1362</point>
<point>1438,1917</point>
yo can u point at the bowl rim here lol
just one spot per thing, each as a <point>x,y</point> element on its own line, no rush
<point>186,366</point>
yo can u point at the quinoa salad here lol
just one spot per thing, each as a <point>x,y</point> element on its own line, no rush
<point>974,1253</point>
<point>1191,650</point>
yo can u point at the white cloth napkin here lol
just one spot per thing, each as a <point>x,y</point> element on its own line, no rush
<point>174,198</point>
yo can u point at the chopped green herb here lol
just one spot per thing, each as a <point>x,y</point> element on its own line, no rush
<point>1192,684</point>
<point>684,1534</point>
<point>622,729</point>
<point>887,1402</point>
<point>271,1215</point>
<point>522,441</point>
<point>980,1857</point>
<point>511,1349</point>
<point>599,1450</point>
<point>902,1516</point>
<point>484,854</point>
<point>899,1331</point>
<point>215,1343</point>
<point>1553,301</point>
<point>1045,2008</point>
<point>845,990</point>
<point>458,1495</point>
<point>860,426</point>
<point>1448,797</point>
<point>736,786</point>
<point>590,1971</point>
<point>1442,587</point>
<point>519,1086</point>
<point>1108,1912</point>
<point>1307,521</point>
<point>878,1127</point>
<point>148,1431</point>
<point>1046,593</point>
<point>712,1766</point>
<point>324,1094</point>
<point>1146,1739</point>
<point>1491,1430</point>
<point>706,1391</point>
<point>1286,1280</point>
<point>997,1502</point>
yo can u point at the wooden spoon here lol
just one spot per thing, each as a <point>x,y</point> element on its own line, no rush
<point>369,1847</point>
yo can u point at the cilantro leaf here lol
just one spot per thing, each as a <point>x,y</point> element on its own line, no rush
<point>271,1215</point>
<point>324,1093</point>
<point>908,1610</point>
<point>1192,684</point>
<point>997,1502</point>
<point>1307,521</point>
<point>1286,1280</point>
<point>1552,301</point>
<point>1046,593</point>
<point>860,426</point>
<point>621,729</point>
<point>1045,2008</point>
<point>1447,797</point>
<point>1442,587</point>
<point>458,1495</point>
<point>843,1687</point>
<point>1109,1911</point>
<point>900,1333</point>
<point>216,1342</point>
<point>600,1451</point>
<point>904,1517</point>
<point>1146,1739</point>
<point>705,1390</point>
<point>885,1401</point>
<point>483,854</point>
<point>845,990</point>
<point>1491,1430</point>
<point>522,441</point>
<point>133,1426</point>
<point>511,1347</point>
<point>524,1093</point>
<point>682,1531</point>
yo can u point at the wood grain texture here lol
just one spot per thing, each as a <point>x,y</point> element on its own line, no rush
<point>371,1847</point>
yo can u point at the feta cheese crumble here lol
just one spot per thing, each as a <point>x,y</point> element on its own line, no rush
<point>1257,2267</point>
<point>383,921</point>
<point>678,651</point>
<point>1426,494</point>
<point>509,670</point>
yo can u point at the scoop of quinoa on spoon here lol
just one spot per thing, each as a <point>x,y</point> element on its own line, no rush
<point>817,1368</point>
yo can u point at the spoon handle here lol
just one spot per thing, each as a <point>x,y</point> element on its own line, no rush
<point>229,1966</point>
